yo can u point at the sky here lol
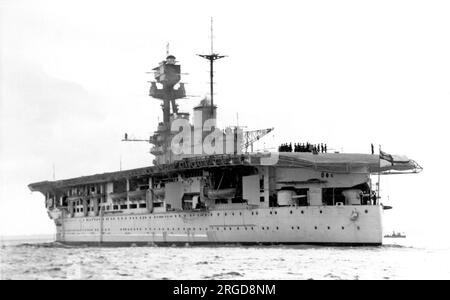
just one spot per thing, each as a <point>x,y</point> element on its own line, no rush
<point>349,73</point>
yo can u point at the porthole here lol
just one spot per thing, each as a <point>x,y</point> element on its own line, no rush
<point>315,227</point>
<point>290,212</point>
<point>271,212</point>
<point>275,212</point>
<point>342,227</point>
<point>328,227</point>
<point>298,227</point>
<point>320,211</point>
<point>302,212</point>
<point>358,228</point>
<point>277,227</point>
<point>366,211</point>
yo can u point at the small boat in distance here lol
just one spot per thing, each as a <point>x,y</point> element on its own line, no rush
<point>395,235</point>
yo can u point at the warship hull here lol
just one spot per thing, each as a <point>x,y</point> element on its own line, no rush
<point>321,225</point>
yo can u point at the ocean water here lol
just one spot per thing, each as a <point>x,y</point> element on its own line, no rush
<point>397,259</point>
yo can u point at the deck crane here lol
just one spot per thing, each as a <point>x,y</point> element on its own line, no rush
<point>252,136</point>
<point>126,138</point>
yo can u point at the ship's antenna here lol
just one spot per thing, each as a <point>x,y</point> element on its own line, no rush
<point>167,49</point>
<point>212,37</point>
<point>54,173</point>
<point>211,57</point>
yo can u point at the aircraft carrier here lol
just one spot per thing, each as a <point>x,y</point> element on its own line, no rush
<point>208,186</point>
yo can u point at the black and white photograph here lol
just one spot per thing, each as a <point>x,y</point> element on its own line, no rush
<point>224,141</point>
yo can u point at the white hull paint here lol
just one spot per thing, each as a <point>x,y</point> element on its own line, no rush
<point>284,225</point>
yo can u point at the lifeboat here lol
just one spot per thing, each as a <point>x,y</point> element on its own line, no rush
<point>222,193</point>
<point>74,198</point>
<point>159,192</point>
<point>137,195</point>
<point>118,196</point>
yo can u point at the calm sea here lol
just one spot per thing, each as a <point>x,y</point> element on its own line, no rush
<point>397,259</point>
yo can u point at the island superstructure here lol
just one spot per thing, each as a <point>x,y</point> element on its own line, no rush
<point>205,187</point>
